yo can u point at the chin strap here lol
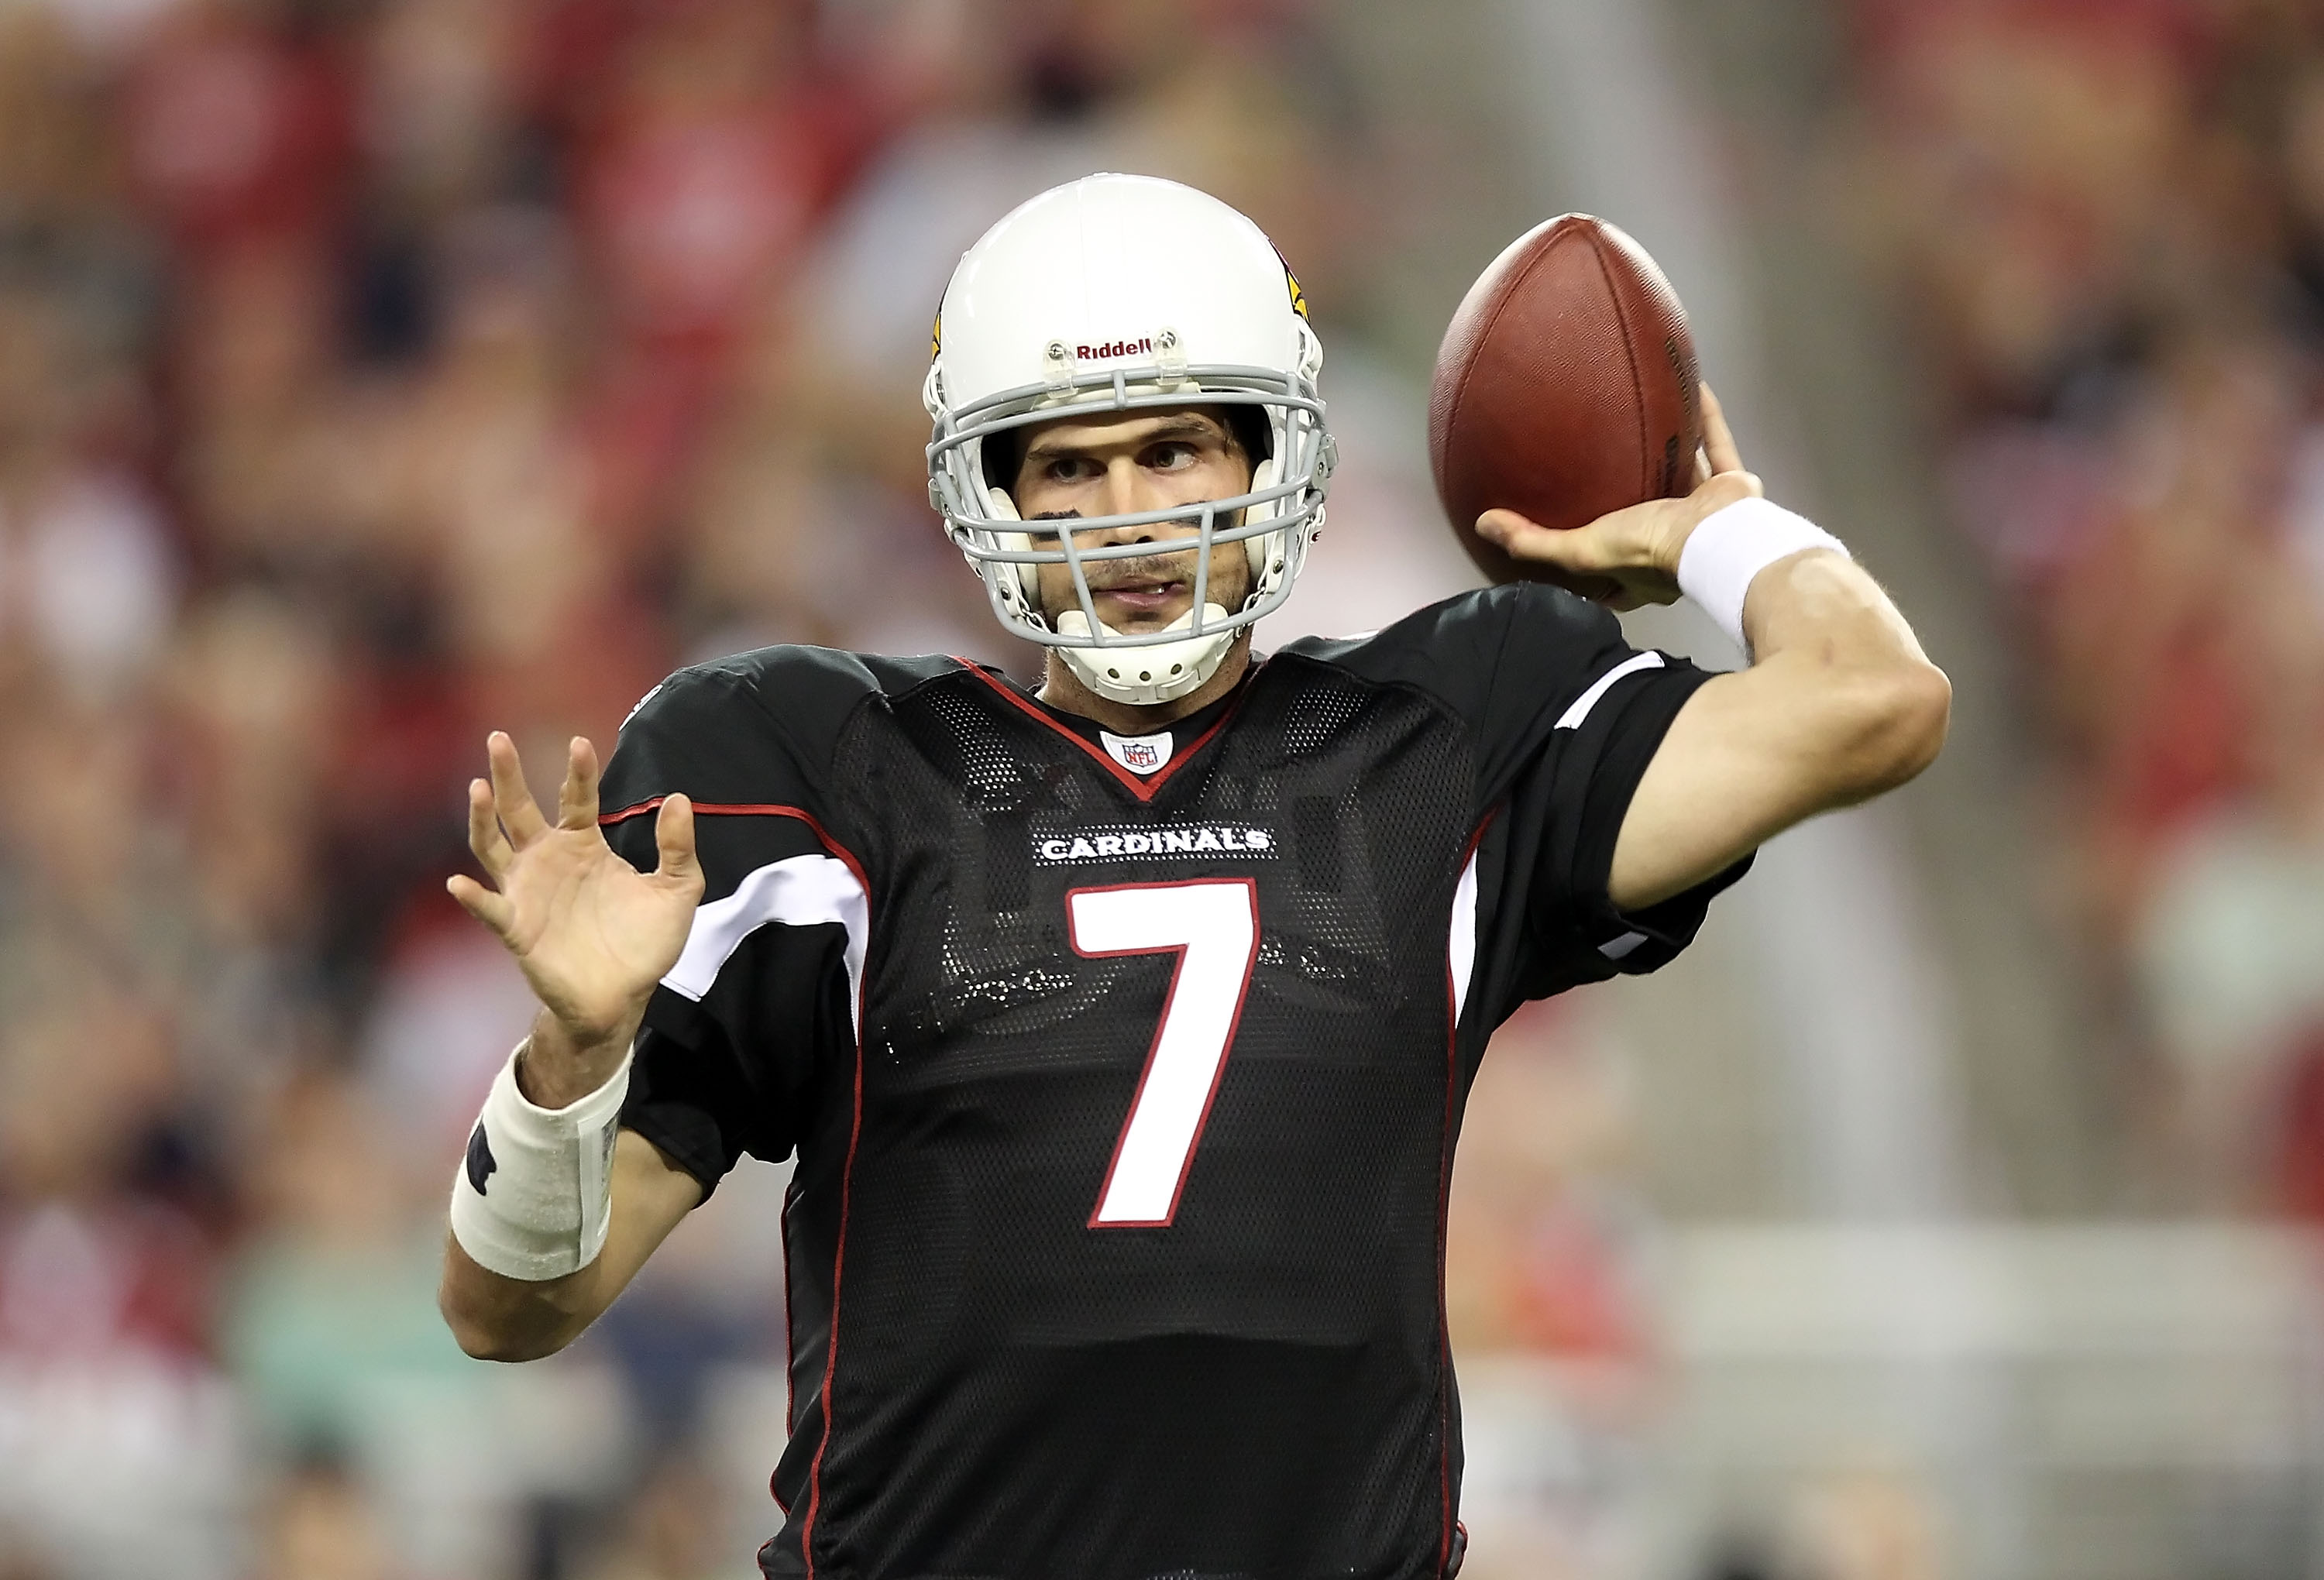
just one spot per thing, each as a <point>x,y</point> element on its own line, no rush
<point>1142,676</point>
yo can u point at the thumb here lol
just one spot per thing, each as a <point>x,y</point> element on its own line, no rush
<point>674,841</point>
<point>493,910</point>
<point>1578,549</point>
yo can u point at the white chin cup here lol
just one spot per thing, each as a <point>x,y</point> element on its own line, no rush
<point>1142,676</point>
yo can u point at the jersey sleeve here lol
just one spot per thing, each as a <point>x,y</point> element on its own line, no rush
<point>1562,716</point>
<point>740,1031</point>
<point>1568,717</point>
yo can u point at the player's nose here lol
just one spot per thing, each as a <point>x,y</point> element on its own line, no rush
<point>1128,490</point>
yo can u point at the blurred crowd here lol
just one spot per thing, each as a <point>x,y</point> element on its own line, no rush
<point>372,374</point>
<point>2107,219</point>
<point>375,372</point>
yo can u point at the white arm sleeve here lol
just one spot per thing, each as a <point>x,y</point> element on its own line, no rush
<point>534,1196</point>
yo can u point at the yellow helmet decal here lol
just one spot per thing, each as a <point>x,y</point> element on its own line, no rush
<point>1299,297</point>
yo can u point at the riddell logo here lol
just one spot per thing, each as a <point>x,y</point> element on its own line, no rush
<point>1113,348</point>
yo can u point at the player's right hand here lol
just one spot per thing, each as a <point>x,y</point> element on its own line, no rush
<point>591,933</point>
<point>1631,555</point>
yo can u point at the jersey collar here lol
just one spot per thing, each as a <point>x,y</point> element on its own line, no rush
<point>1185,737</point>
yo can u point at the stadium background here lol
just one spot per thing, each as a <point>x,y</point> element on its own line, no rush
<point>375,372</point>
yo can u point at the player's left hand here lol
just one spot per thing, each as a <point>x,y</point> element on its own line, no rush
<point>1630,557</point>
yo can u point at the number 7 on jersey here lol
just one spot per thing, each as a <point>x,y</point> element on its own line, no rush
<point>1213,927</point>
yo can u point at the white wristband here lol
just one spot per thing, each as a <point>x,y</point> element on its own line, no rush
<point>1733,546</point>
<point>534,1196</point>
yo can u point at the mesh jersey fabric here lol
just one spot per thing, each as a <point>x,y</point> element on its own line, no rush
<point>885,976</point>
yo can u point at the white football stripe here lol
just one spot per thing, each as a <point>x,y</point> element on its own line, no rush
<point>1571,718</point>
<point>798,891</point>
<point>1461,951</point>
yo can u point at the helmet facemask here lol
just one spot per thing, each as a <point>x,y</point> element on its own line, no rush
<point>1275,517</point>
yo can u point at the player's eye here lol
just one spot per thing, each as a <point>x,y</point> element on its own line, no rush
<point>1172,456</point>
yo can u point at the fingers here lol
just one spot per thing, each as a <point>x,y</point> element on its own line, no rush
<point>1718,440</point>
<point>674,841</point>
<point>492,910</point>
<point>485,837</point>
<point>1623,559</point>
<point>576,798</point>
<point>511,796</point>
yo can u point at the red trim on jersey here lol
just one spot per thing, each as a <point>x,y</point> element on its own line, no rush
<point>1169,1001</point>
<point>1143,789</point>
<point>847,1167</point>
<point>742,809</point>
<point>831,1338</point>
<point>790,1351</point>
<point>846,1181</point>
<point>1444,1215</point>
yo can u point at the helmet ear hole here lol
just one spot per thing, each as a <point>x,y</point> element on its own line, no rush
<point>1254,434</point>
<point>999,456</point>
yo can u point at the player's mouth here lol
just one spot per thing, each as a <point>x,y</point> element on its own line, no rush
<point>1148,596</point>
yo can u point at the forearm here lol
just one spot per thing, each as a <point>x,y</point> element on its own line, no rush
<point>499,1318</point>
<point>1838,705</point>
<point>518,1318</point>
<point>546,1208</point>
<point>534,1204</point>
<point>1845,678</point>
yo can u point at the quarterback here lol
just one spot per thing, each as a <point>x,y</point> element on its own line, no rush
<point>1121,1028</point>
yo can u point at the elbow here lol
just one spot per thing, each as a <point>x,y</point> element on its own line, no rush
<point>481,1339</point>
<point>481,1346</point>
<point>1898,726</point>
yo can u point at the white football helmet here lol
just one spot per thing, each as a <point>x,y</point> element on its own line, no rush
<point>1114,293</point>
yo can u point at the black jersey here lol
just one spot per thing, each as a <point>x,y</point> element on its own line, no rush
<point>1124,1073</point>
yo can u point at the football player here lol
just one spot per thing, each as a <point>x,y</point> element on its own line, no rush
<point>1121,1029</point>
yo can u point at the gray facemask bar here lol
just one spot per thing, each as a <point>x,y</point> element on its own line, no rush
<point>956,489</point>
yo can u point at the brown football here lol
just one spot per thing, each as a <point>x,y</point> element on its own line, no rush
<point>1565,389</point>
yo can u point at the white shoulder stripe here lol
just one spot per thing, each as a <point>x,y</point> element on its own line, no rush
<point>1460,950</point>
<point>799,891</point>
<point>1571,718</point>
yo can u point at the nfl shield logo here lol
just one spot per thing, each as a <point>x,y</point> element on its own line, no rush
<point>1141,754</point>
